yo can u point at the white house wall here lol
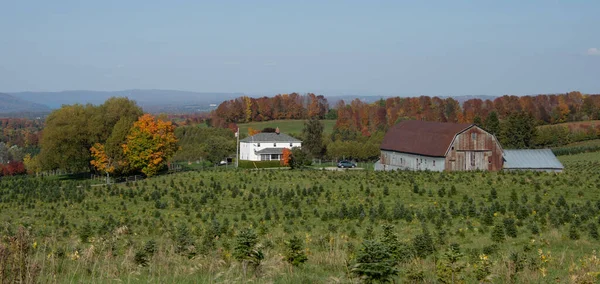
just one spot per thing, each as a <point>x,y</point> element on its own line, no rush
<point>248,149</point>
<point>394,160</point>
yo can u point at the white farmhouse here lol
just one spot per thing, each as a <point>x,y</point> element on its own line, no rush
<point>266,146</point>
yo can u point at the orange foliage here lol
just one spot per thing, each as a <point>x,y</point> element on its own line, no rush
<point>252,131</point>
<point>149,144</point>
<point>285,157</point>
<point>100,160</point>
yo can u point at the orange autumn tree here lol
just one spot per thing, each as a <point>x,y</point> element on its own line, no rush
<point>100,160</point>
<point>150,143</point>
<point>285,157</point>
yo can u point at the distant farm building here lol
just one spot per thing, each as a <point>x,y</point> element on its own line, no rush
<point>542,160</point>
<point>266,146</point>
<point>437,146</point>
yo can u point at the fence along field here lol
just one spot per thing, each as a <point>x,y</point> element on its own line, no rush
<point>190,227</point>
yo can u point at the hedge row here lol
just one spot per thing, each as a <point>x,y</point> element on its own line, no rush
<point>259,164</point>
<point>575,150</point>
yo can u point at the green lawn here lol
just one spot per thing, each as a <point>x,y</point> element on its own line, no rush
<point>595,142</point>
<point>285,126</point>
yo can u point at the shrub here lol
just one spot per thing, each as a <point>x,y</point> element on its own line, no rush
<point>450,267</point>
<point>423,243</point>
<point>246,249</point>
<point>573,233</point>
<point>184,243</point>
<point>510,228</point>
<point>295,254</point>
<point>593,229</point>
<point>374,262</point>
<point>259,164</point>
<point>498,234</point>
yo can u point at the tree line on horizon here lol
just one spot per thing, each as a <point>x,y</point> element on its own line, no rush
<point>282,106</point>
<point>367,118</point>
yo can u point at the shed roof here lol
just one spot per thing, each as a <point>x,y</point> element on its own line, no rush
<point>270,137</point>
<point>269,151</point>
<point>531,159</point>
<point>422,137</point>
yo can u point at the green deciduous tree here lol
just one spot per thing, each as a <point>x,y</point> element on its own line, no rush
<point>65,142</point>
<point>201,143</point>
<point>313,137</point>
<point>300,158</point>
<point>72,130</point>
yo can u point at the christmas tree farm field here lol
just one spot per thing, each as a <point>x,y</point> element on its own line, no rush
<point>306,226</point>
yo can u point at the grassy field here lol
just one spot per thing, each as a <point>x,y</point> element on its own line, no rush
<point>184,228</point>
<point>594,143</point>
<point>576,125</point>
<point>285,126</point>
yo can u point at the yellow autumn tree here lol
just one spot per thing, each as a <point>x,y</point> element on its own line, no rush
<point>32,164</point>
<point>150,143</point>
<point>252,131</point>
<point>248,109</point>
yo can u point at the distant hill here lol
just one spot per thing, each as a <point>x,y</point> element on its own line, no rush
<point>167,101</point>
<point>12,104</point>
<point>150,100</point>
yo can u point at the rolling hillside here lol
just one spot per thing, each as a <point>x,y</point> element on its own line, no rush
<point>11,104</point>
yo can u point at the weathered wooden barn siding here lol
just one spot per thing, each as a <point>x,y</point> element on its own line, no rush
<point>474,149</point>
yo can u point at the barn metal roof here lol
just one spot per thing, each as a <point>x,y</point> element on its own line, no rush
<point>422,137</point>
<point>269,151</point>
<point>531,159</point>
<point>270,137</point>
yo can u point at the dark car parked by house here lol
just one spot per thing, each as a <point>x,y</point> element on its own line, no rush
<point>346,164</point>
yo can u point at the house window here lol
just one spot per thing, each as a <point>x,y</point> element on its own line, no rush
<point>264,157</point>
<point>474,136</point>
<point>274,157</point>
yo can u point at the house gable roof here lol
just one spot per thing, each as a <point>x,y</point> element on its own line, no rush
<point>269,151</point>
<point>422,137</point>
<point>270,137</point>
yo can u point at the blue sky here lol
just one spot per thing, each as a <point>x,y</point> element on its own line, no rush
<point>476,47</point>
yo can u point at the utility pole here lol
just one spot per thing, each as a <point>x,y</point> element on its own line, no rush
<point>237,147</point>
